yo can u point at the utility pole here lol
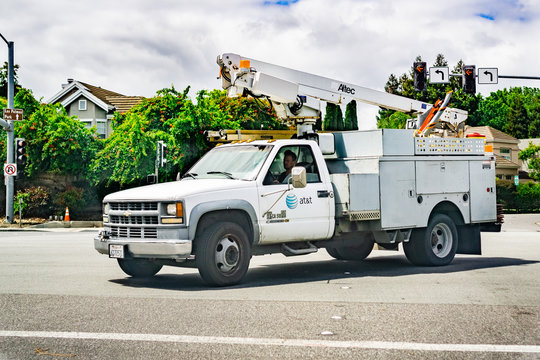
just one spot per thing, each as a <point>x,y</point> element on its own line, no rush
<point>8,126</point>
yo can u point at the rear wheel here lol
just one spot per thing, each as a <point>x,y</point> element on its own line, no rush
<point>435,245</point>
<point>357,252</point>
<point>222,254</point>
<point>139,268</point>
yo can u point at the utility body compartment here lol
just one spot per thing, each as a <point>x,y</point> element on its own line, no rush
<point>394,180</point>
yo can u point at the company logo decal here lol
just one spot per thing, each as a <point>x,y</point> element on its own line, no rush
<point>347,90</point>
<point>276,217</point>
<point>292,201</point>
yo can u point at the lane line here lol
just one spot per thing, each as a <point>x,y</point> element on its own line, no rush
<point>376,345</point>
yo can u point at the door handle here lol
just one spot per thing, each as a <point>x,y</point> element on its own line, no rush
<point>323,193</point>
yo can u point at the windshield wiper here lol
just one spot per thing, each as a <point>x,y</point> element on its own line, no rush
<point>193,175</point>
<point>229,175</point>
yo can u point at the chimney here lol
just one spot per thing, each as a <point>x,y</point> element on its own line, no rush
<point>69,82</point>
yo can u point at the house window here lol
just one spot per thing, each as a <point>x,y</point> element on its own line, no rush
<point>87,123</point>
<point>102,128</point>
<point>509,177</point>
<point>506,153</point>
<point>82,105</point>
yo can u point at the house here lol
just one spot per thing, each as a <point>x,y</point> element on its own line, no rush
<point>93,105</point>
<point>505,149</point>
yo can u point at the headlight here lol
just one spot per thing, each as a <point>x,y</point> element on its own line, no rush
<point>106,209</point>
<point>175,209</point>
<point>176,213</point>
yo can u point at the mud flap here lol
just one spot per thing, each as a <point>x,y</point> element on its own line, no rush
<point>469,239</point>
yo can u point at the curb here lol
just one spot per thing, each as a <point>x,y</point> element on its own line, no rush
<point>59,226</point>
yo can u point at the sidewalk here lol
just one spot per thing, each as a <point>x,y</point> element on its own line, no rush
<point>61,226</point>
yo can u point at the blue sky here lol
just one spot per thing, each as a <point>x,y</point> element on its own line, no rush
<point>136,47</point>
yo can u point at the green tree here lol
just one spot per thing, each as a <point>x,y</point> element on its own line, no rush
<point>351,118</point>
<point>26,101</point>
<point>531,155</point>
<point>57,142</point>
<point>333,119</point>
<point>514,111</point>
<point>533,113</point>
<point>516,118</point>
<point>4,79</point>
<point>129,154</point>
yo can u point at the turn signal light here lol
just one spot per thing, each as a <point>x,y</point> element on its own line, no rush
<point>245,64</point>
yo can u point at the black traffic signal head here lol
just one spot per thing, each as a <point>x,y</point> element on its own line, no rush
<point>20,151</point>
<point>469,79</point>
<point>164,152</point>
<point>420,76</point>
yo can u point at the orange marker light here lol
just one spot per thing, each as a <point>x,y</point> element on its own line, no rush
<point>245,64</point>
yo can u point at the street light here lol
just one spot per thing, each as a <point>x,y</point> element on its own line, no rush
<point>8,126</point>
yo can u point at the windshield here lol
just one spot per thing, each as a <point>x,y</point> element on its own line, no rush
<point>241,162</point>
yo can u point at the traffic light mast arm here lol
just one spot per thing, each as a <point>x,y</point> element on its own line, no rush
<point>5,124</point>
<point>285,87</point>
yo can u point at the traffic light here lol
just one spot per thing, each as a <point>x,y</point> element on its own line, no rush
<point>420,76</point>
<point>20,155</point>
<point>469,79</point>
<point>164,151</point>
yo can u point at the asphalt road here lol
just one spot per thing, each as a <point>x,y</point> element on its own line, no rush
<point>58,297</point>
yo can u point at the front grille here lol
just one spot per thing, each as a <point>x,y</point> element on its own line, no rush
<point>135,206</point>
<point>134,220</point>
<point>133,232</point>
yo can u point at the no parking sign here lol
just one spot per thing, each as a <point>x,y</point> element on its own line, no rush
<point>10,169</point>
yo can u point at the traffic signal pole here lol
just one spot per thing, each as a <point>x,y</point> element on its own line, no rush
<point>8,126</point>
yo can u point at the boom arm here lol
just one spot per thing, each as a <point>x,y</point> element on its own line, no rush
<point>297,95</point>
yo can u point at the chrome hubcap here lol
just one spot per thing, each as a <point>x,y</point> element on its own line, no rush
<point>227,254</point>
<point>441,240</point>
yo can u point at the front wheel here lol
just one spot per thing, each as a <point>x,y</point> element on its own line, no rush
<point>222,254</point>
<point>435,245</point>
<point>139,268</point>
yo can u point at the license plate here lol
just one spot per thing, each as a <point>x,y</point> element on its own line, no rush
<point>116,251</point>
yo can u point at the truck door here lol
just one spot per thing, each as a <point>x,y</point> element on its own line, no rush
<point>297,214</point>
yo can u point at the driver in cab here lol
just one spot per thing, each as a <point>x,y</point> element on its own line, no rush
<point>289,161</point>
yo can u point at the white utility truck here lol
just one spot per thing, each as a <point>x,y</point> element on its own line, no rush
<point>343,191</point>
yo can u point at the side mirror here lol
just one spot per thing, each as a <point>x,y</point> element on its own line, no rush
<point>298,176</point>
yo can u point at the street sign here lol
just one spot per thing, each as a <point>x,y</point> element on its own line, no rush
<point>516,180</point>
<point>10,169</point>
<point>439,75</point>
<point>488,75</point>
<point>13,114</point>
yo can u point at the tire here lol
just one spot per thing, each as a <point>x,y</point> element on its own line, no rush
<point>357,253</point>
<point>435,245</point>
<point>222,254</point>
<point>139,268</point>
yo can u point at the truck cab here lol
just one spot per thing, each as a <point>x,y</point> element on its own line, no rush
<point>244,186</point>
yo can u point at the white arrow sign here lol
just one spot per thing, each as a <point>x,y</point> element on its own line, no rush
<point>488,75</point>
<point>439,75</point>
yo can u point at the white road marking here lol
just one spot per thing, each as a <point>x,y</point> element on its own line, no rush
<point>377,345</point>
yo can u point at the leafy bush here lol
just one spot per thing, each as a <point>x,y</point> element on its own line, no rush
<point>72,197</point>
<point>32,199</point>
<point>523,198</point>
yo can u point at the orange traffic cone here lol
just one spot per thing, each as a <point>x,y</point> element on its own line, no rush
<point>66,218</point>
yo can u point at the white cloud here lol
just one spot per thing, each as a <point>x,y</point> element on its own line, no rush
<point>137,47</point>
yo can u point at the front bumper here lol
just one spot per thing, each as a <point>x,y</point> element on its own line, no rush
<point>161,248</point>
